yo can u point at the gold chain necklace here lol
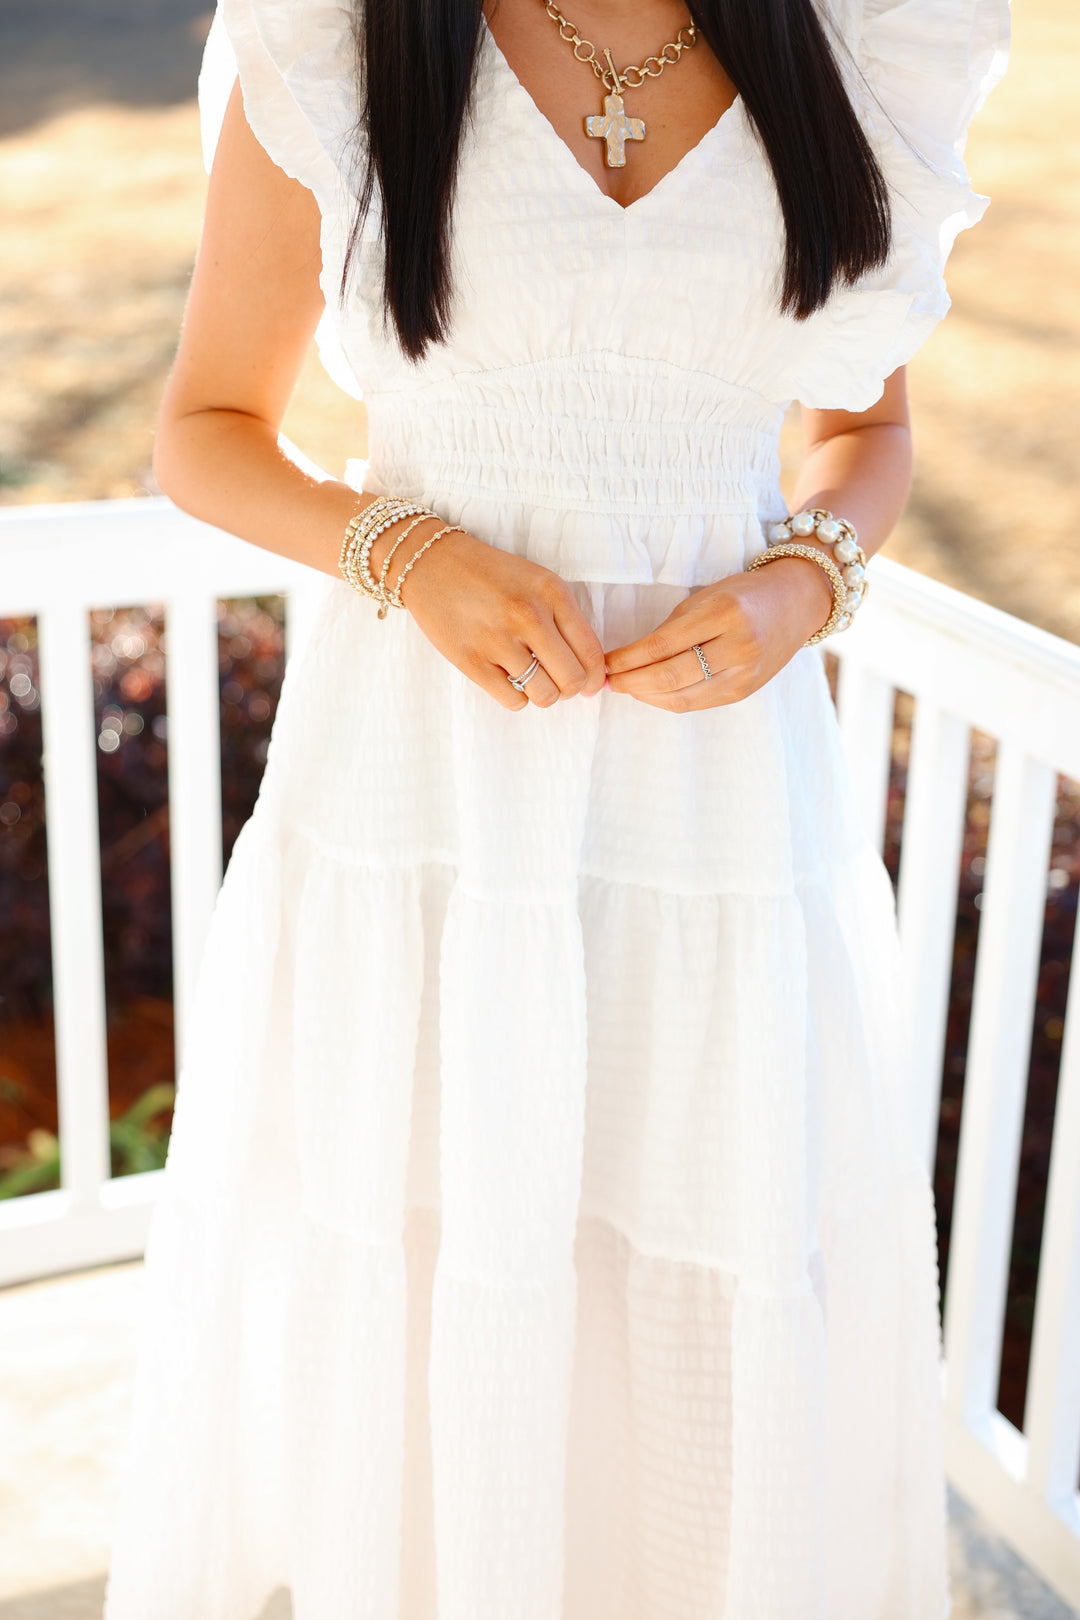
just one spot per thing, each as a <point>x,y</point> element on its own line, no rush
<point>612,125</point>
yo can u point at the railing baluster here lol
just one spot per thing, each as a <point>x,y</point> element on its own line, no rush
<point>1052,1411</point>
<point>1003,1005</point>
<point>930,851</point>
<point>71,826</point>
<point>865,705</point>
<point>192,696</point>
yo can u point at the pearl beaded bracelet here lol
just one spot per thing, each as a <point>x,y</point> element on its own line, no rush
<point>817,524</point>
<point>361,534</point>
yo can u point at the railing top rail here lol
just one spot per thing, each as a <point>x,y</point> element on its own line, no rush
<point>972,660</point>
<point>104,553</point>
<point>975,626</point>
<point>25,531</point>
<point>965,658</point>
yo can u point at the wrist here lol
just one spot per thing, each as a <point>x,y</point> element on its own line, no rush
<point>389,538</point>
<point>813,535</point>
<point>807,589</point>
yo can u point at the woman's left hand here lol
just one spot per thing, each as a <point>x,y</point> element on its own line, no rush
<point>747,626</point>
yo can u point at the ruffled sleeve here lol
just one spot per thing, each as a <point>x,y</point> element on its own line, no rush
<point>919,70</point>
<point>297,74</point>
<point>296,65</point>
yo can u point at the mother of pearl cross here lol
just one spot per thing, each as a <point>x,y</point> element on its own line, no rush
<point>613,126</point>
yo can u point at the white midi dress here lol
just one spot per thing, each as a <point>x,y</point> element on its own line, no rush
<point>542,1236</point>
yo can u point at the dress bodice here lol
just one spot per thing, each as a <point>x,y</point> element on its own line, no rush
<point>615,378</point>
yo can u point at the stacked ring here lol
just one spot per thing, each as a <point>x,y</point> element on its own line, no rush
<point>519,682</point>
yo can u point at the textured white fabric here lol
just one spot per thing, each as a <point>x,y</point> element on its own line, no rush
<point>541,1237</point>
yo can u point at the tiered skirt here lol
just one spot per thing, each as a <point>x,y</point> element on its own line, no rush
<point>542,1235</point>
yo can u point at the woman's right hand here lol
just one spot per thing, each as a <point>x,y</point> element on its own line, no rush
<point>489,612</point>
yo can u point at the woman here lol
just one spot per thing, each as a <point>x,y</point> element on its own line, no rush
<point>542,1236</point>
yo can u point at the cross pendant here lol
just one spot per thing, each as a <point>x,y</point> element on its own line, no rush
<point>614,127</point>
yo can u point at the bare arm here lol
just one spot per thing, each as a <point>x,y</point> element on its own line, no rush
<point>255,302</point>
<point>750,625</point>
<point>859,466</point>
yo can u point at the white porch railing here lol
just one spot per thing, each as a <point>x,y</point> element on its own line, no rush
<point>58,562</point>
<point>965,664</point>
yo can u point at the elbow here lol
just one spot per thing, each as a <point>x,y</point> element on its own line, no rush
<point>162,460</point>
<point>168,459</point>
<point>162,467</point>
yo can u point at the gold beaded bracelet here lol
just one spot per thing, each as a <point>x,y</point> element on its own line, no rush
<point>394,596</point>
<point>384,572</point>
<point>827,566</point>
<point>379,514</point>
<point>361,534</point>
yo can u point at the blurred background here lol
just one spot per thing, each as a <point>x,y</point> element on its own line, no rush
<point>101,195</point>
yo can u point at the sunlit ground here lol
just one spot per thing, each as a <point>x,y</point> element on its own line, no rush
<point>101,189</point>
<point>66,1356</point>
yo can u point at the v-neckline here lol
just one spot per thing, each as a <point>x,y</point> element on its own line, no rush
<point>726,119</point>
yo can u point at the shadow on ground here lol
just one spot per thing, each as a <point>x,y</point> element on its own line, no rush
<point>989,1583</point>
<point>82,1600</point>
<point>59,55</point>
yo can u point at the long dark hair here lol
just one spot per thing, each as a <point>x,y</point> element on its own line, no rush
<point>416,63</point>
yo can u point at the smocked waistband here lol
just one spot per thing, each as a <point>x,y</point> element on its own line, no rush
<point>584,433</point>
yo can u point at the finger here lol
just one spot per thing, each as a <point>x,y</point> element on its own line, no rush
<point>667,641</point>
<point>541,690</point>
<point>496,684</point>
<point>561,665</point>
<point>584,643</point>
<point>725,688</point>
<point>671,674</point>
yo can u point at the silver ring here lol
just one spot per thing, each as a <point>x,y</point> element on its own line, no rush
<point>519,682</point>
<point>703,661</point>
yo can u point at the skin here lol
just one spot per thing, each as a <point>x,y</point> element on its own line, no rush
<point>255,302</point>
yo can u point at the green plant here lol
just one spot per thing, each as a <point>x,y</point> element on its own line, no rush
<point>138,1140</point>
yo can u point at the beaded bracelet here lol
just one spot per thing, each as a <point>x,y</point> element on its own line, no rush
<point>394,596</point>
<point>363,529</point>
<point>379,513</point>
<point>384,572</point>
<point>360,536</point>
<point>816,523</point>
